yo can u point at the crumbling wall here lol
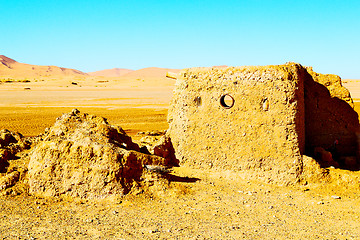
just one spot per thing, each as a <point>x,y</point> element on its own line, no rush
<point>245,118</point>
<point>331,121</point>
<point>262,119</point>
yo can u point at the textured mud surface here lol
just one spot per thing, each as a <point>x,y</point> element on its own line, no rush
<point>261,120</point>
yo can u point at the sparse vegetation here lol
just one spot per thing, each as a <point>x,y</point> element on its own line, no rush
<point>11,80</point>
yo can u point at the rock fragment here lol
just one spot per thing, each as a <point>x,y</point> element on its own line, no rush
<point>9,180</point>
<point>165,149</point>
<point>336,197</point>
<point>11,143</point>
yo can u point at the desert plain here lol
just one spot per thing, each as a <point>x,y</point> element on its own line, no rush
<point>198,204</point>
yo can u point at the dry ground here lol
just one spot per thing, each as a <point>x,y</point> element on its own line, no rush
<point>31,121</point>
<point>218,206</point>
<point>198,205</point>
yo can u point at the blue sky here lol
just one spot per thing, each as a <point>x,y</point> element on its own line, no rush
<point>95,35</point>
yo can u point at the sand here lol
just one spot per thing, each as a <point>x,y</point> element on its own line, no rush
<point>218,206</point>
<point>31,107</point>
<point>354,87</point>
<point>114,72</point>
<point>199,205</point>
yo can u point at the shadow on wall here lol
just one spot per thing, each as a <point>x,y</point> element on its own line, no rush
<point>3,164</point>
<point>331,127</point>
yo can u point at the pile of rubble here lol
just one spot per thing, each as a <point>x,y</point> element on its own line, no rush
<point>83,156</point>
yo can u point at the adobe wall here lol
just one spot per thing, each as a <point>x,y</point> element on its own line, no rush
<point>263,130</point>
<point>329,115</point>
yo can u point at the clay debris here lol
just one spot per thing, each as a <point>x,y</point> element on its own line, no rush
<point>10,144</point>
<point>160,145</point>
<point>83,156</point>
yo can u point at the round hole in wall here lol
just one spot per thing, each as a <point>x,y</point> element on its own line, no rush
<point>227,101</point>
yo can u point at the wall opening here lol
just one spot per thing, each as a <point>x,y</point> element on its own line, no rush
<point>227,101</point>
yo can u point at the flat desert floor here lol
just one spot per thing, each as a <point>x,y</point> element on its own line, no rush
<point>211,205</point>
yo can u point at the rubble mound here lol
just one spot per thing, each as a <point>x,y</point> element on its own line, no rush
<point>83,156</point>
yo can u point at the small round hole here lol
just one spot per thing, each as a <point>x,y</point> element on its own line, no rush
<point>227,101</point>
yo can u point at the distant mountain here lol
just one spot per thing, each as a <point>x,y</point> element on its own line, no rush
<point>13,69</point>
<point>114,72</point>
<point>6,61</point>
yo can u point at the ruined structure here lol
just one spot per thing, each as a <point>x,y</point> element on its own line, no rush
<point>259,120</point>
<point>83,156</point>
<point>329,116</point>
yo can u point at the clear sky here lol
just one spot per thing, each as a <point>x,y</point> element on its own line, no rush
<point>94,35</point>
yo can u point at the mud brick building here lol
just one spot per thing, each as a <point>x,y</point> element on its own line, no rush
<point>259,120</point>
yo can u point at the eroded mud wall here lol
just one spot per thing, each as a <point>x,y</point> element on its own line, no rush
<point>331,122</point>
<point>249,119</point>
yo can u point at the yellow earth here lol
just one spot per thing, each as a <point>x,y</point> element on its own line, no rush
<point>197,204</point>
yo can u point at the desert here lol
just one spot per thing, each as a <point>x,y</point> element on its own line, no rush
<point>47,104</point>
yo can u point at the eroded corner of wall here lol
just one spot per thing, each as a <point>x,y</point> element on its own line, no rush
<point>331,121</point>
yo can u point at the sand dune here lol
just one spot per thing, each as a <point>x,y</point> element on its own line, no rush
<point>146,88</point>
<point>114,72</point>
<point>9,68</point>
<point>62,77</point>
<point>150,73</point>
<point>149,77</point>
<point>353,85</point>
<point>144,73</point>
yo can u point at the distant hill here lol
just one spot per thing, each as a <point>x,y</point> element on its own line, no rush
<point>9,68</point>
<point>114,72</point>
<point>152,76</point>
<point>150,73</point>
